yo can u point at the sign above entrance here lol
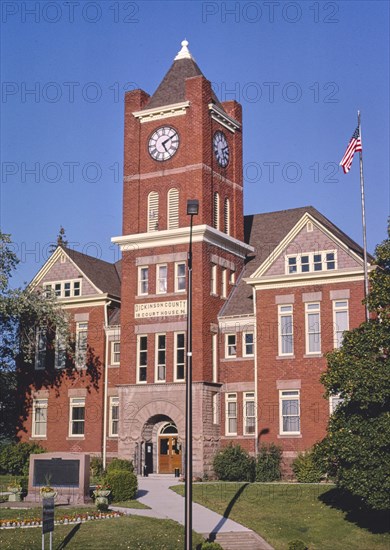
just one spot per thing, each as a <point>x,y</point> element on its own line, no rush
<point>160,309</point>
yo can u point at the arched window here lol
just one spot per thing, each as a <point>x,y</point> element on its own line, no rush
<point>173,208</point>
<point>216,210</point>
<point>226,216</point>
<point>153,211</point>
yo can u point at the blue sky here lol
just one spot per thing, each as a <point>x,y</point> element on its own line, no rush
<point>300,69</point>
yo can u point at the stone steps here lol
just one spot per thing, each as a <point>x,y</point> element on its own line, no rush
<point>242,540</point>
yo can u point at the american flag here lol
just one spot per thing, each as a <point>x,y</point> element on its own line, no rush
<point>354,145</point>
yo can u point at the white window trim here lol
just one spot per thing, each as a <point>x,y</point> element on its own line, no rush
<point>59,348</point>
<point>214,343</point>
<point>74,403</point>
<point>248,397</point>
<point>114,402</point>
<point>39,404</point>
<point>213,281</point>
<point>244,353</point>
<point>156,350</point>
<point>280,339</point>
<point>175,378</point>
<point>331,409</point>
<point>335,325</point>
<point>289,398</point>
<point>307,313</point>
<point>113,352</point>
<point>153,212</point>
<point>139,336</point>
<point>61,294</point>
<point>311,262</point>
<point>79,331</point>
<point>173,208</point>
<point>158,267</point>
<point>227,345</point>
<point>224,283</point>
<point>177,289</point>
<point>140,293</point>
<point>230,398</point>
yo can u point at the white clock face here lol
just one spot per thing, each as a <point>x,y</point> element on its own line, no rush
<point>163,143</point>
<point>221,148</point>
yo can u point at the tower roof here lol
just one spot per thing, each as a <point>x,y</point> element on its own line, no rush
<point>172,88</point>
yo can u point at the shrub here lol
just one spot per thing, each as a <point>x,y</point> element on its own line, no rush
<point>233,463</point>
<point>268,463</point>
<point>120,464</point>
<point>306,468</point>
<point>297,545</point>
<point>15,457</point>
<point>124,485</point>
<point>211,546</point>
<point>96,466</point>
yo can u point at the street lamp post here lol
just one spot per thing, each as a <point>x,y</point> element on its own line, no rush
<point>192,210</point>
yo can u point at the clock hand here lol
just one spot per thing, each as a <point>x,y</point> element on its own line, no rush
<point>164,142</point>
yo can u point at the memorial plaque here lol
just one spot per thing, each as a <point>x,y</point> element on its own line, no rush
<point>56,472</point>
<point>48,515</point>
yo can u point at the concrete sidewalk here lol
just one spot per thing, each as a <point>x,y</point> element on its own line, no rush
<point>166,504</point>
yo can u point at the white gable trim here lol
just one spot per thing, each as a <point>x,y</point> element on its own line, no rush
<point>50,263</point>
<point>289,238</point>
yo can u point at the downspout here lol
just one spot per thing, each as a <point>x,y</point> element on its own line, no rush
<point>105,387</point>
<point>256,381</point>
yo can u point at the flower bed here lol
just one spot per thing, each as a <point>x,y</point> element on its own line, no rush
<point>65,520</point>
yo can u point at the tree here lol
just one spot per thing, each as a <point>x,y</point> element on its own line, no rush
<point>22,311</point>
<point>356,448</point>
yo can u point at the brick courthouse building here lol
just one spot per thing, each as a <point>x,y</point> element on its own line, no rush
<point>272,294</point>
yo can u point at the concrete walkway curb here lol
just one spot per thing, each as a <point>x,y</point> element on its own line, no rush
<point>166,504</point>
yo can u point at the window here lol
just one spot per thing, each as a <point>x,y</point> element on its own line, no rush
<point>286,330</point>
<point>115,353</point>
<point>334,402</point>
<point>142,354</point>
<point>313,328</point>
<point>216,210</point>
<point>179,356</point>
<point>153,211</point>
<point>231,414</point>
<point>214,346</point>
<point>40,348</point>
<point>162,279</point>
<point>232,278</point>
<point>215,405</point>
<point>247,344</point>
<point>230,345</point>
<point>173,209</point>
<point>311,261</point>
<point>77,416</point>
<point>180,277</point>
<point>60,351</point>
<point>63,289</point>
<point>289,412</point>
<point>226,216</point>
<point>161,357</point>
<point>39,424</point>
<point>249,413</point>
<point>213,279</point>
<point>224,283</point>
<point>340,321</point>
<point>114,416</point>
<point>143,280</point>
<point>81,344</point>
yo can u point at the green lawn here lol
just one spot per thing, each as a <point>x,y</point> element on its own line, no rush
<point>131,504</point>
<point>317,514</point>
<point>134,532</point>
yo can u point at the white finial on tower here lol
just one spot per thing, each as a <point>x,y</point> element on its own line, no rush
<point>184,52</point>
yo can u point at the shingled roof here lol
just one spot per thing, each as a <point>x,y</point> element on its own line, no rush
<point>265,232</point>
<point>104,275</point>
<point>172,88</point>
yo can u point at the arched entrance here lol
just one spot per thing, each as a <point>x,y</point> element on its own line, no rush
<point>169,449</point>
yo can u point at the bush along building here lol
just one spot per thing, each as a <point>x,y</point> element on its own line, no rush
<point>272,293</point>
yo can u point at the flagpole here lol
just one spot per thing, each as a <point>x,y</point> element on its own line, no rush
<point>363,219</point>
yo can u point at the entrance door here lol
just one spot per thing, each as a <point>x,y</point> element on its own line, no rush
<point>169,450</point>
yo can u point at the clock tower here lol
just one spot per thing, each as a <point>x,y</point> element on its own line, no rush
<point>180,143</point>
